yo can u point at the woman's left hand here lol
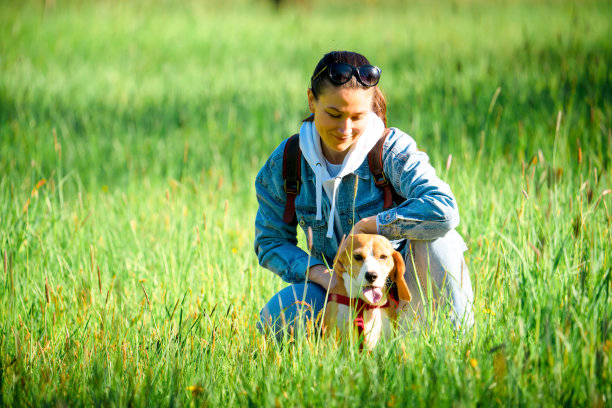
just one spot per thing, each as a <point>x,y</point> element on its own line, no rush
<point>366,226</point>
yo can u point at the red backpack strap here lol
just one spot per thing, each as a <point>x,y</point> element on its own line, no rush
<point>375,161</point>
<point>292,169</point>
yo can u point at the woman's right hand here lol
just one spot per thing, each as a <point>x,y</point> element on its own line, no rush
<point>322,276</point>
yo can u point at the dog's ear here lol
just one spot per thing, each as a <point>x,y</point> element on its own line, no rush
<point>397,275</point>
<point>340,261</point>
<point>341,256</point>
<point>339,267</point>
<point>340,249</point>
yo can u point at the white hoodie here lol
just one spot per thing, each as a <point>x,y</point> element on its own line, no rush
<point>310,144</point>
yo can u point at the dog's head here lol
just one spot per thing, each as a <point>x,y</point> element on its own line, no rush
<point>363,264</point>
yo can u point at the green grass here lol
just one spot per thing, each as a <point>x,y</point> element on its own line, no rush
<point>130,138</point>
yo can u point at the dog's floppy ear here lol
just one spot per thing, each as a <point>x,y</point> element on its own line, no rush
<point>397,275</point>
<point>339,269</point>
<point>339,261</point>
<point>338,265</point>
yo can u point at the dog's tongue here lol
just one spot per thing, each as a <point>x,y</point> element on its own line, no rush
<point>373,295</point>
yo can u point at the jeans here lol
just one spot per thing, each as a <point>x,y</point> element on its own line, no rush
<point>436,275</point>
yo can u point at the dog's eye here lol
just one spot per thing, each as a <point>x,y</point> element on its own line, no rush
<point>358,257</point>
<point>383,256</point>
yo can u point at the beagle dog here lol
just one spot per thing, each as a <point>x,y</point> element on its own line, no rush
<point>361,298</point>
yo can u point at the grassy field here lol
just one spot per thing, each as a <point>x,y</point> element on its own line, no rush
<point>130,137</point>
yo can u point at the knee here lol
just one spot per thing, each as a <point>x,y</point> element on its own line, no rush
<point>449,245</point>
<point>442,260</point>
<point>295,304</point>
<point>444,254</point>
<point>442,266</point>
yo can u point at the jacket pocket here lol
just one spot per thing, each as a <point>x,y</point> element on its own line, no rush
<point>307,219</point>
<point>370,208</point>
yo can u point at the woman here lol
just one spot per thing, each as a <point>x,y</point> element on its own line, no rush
<point>338,190</point>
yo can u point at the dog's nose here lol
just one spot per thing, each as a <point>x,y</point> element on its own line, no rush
<point>371,276</point>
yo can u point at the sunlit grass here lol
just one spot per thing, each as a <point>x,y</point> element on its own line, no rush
<point>130,138</point>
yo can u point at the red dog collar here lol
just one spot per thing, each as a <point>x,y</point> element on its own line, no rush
<point>359,306</point>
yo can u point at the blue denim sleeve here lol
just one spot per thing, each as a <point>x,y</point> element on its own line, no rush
<point>430,210</point>
<point>275,241</point>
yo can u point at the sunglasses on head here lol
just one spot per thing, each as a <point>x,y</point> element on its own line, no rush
<point>340,73</point>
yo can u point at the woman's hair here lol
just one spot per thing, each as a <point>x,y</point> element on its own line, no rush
<point>322,81</point>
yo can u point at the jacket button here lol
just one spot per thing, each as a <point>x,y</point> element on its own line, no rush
<point>350,221</point>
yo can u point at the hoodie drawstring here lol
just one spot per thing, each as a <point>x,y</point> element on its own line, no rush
<point>332,213</point>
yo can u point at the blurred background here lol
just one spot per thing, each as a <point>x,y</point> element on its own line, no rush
<point>128,85</point>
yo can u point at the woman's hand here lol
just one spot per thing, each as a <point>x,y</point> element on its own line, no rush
<point>322,276</point>
<point>366,226</point>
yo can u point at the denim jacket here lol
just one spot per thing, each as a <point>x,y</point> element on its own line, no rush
<point>429,212</point>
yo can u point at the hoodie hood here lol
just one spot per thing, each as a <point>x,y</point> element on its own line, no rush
<point>310,145</point>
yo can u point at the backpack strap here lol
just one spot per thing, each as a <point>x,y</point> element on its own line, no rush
<point>375,162</point>
<point>292,169</point>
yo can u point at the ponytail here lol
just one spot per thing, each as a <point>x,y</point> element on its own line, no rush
<point>379,105</point>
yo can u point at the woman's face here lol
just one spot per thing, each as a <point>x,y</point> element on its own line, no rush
<point>340,117</point>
